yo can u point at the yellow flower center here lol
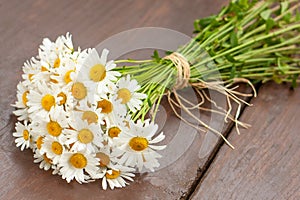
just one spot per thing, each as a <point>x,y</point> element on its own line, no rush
<point>48,101</point>
<point>124,94</point>
<point>113,175</point>
<point>105,105</point>
<point>97,73</point>
<point>114,132</point>
<point>30,76</point>
<point>54,128</point>
<point>24,98</point>
<point>64,98</point>
<point>47,160</point>
<point>39,142</point>
<point>26,135</point>
<point>44,69</point>
<point>85,136</point>
<point>67,77</point>
<point>138,143</point>
<point>56,63</point>
<point>57,148</point>
<point>104,159</point>
<point>79,91</point>
<point>78,160</point>
<point>90,117</point>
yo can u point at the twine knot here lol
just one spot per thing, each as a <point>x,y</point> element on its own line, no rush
<point>183,70</point>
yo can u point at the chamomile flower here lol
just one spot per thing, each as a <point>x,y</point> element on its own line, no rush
<point>84,136</point>
<point>137,146</point>
<point>53,147</point>
<point>79,165</point>
<point>21,103</point>
<point>105,157</point>
<point>114,127</point>
<point>111,108</point>
<point>41,100</point>
<point>98,71</point>
<point>90,112</point>
<point>30,68</point>
<point>116,176</point>
<point>68,44</point>
<point>23,135</point>
<point>126,90</point>
<point>55,125</point>
<point>84,91</point>
<point>62,75</point>
<point>45,162</point>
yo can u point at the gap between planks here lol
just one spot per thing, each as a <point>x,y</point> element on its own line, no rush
<point>201,173</point>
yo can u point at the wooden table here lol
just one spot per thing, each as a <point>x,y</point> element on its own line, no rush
<point>264,165</point>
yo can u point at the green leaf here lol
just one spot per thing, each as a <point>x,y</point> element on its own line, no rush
<point>284,6</point>
<point>266,14</point>
<point>233,39</point>
<point>206,21</point>
<point>156,56</point>
<point>269,24</point>
<point>244,3</point>
<point>149,102</point>
<point>196,26</point>
<point>287,17</point>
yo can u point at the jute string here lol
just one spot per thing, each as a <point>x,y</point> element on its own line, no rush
<point>182,81</point>
<point>183,70</point>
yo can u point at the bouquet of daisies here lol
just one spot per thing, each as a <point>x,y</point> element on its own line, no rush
<point>85,118</point>
<point>74,113</point>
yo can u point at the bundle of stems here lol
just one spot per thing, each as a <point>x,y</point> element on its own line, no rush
<point>248,41</point>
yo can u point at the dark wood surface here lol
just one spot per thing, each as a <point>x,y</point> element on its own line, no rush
<point>266,156</point>
<point>266,162</point>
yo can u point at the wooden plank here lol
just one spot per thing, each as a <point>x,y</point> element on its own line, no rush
<point>23,25</point>
<point>266,162</point>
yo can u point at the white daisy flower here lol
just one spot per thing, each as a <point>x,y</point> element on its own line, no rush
<point>21,103</point>
<point>105,157</point>
<point>67,40</point>
<point>63,44</point>
<point>53,147</point>
<point>111,108</point>
<point>77,165</point>
<point>84,91</point>
<point>84,136</point>
<point>127,91</point>
<point>41,100</point>
<point>23,135</point>
<point>98,71</point>
<point>136,147</point>
<point>89,112</point>
<point>38,141</point>
<point>62,75</point>
<point>45,162</point>
<point>65,98</point>
<point>55,125</point>
<point>116,176</point>
<point>30,68</point>
<point>114,127</point>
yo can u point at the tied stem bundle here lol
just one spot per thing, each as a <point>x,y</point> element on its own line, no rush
<point>247,42</point>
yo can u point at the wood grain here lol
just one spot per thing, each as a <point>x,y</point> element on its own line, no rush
<point>266,162</point>
<point>23,24</point>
